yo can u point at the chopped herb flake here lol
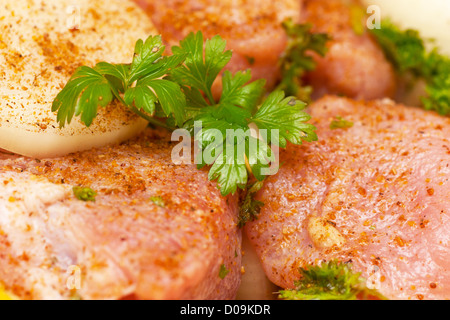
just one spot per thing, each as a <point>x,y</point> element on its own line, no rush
<point>340,123</point>
<point>223,272</point>
<point>357,16</point>
<point>84,193</point>
<point>159,201</point>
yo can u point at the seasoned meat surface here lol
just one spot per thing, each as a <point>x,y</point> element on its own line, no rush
<point>354,66</point>
<point>376,195</point>
<point>155,231</point>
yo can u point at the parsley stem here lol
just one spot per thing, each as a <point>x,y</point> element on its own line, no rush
<point>210,97</point>
<point>151,119</point>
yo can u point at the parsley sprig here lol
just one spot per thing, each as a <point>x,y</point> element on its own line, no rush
<point>179,88</point>
<point>297,59</point>
<point>331,281</point>
<point>235,110</point>
<point>407,52</point>
<point>137,86</point>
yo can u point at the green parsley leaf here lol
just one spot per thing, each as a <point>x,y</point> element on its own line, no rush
<point>170,97</point>
<point>438,84</point>
<point>143,98</point>
<point>405,49</point>
<point>86,90</point>
<point>330,281</point>
<point>212,123</point>
<point>340,123</point>
<point>230,170</point>
<point>237,92</point>
<point>259,156</point>
<point>297,58</point>
<point>84,193</point>
<point>145,55</point>
<point>138,86</point>
<point>202,66</point>
<point>116,74</point>
<point>223,272</point>
<point>285,115</point>
<point>407,52</point>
